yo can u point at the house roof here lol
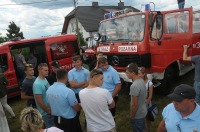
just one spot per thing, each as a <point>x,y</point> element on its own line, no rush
<point>90,16</point>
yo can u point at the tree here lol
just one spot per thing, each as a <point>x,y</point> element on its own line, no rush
<point>80,37</point>
<point>2,39</point>
<point>14,31</point>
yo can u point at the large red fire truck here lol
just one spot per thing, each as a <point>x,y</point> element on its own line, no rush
<point>152,39</point>
<point>45,49</point>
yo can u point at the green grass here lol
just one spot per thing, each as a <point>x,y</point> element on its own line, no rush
<point>123,108</point>
<point>122,113</point>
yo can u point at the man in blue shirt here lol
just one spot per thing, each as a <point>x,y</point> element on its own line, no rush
<point>40,87</point>
<point>63,103</point>
<point>78,76</point>
<point>111,80</point>
<point>196,60</point>
<point>183,115</point>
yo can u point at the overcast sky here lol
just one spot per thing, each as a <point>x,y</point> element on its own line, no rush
<point>46,17</point>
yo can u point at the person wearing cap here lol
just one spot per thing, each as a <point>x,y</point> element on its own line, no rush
<point>183,115</point>
<point>196,60</point>
<point>52,76</point>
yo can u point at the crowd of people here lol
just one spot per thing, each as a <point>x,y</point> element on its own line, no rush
<point>54,101</point>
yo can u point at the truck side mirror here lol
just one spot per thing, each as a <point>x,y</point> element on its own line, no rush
<point>97,36</point>
<point>87,39</point>
<point>150,19</point>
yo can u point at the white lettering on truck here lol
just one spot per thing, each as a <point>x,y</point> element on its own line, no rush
<point>127,48</point>
<point>103,49</point>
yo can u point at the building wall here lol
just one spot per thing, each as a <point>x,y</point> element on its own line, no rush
<point>72,28</point>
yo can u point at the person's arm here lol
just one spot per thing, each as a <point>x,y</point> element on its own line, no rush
<point>35,64</point>
<point>134,106</point>
<point>74,84</point>
<point>77,107</point>
<point>112,105</point>
<point>150,95</point>
<point>86,84</point>
<point>117,89</point>
<point>23,60</point>
<point>38,98</point>
<point>161,127</point>
<point>25,97</point>
<point>185,56</point>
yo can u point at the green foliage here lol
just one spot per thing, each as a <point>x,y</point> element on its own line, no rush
<point>80,37</point>
<point>14,31</point>
<point>2,39</point>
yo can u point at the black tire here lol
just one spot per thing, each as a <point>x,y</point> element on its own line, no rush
<point>167,82</point>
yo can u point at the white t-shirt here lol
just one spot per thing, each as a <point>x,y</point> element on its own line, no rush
<point>53,129</point>
<point>148,85</point>
<point>95,102</point>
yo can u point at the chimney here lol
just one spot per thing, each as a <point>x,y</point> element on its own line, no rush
<point>121,5</point>
<point>95,4</point>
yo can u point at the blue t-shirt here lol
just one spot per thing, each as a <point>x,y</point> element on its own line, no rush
<point>196,60</point>
<point>78,76</point>
<point>61,100</point>
<point>174,121</point>
<point>110,79</point>
<point>40,86</point>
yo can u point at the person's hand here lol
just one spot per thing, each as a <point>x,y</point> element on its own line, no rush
<point>186,46</point>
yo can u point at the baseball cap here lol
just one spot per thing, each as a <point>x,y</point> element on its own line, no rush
<point>182,92</point>
<point>55,63</point>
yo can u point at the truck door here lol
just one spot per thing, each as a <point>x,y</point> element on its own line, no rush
<point>196,33</point>
<point>170,31</point>
<point>7,67</point>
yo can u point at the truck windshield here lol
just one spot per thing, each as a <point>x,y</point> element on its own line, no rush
<point>129,28</point>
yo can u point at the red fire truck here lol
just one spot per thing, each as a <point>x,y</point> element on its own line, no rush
<point>45,49</point>
<point>152,39</point>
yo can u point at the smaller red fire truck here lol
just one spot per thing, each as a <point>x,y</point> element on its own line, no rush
<point>45,49</point>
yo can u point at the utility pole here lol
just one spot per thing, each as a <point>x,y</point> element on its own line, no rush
<point>75,16</point>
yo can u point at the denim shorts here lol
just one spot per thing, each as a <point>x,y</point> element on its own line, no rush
<point>48,120</point>
<point>138,125</point>
<point>197,90</point>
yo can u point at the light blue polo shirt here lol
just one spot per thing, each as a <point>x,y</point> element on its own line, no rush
<point>78,76</point>
<point>110,79</point>
<point>61,100</point>
<point>40,86</point>
<point>173,119</point>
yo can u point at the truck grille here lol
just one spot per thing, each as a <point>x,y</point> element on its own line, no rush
<point>123,60</point>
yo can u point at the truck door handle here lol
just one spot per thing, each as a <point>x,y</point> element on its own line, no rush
<point>167,38</point>
<point>10,74</point>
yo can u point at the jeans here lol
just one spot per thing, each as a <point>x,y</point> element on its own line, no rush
<point>197,90</point>
<point>138,125</point>
<point>21,74</point>
<point>181,5</point>
<point>6,106</point>
<point>48,120</point>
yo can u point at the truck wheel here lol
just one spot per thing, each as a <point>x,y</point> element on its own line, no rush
<point>167,82</point>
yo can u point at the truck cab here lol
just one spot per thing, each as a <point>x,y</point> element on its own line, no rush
<point>152,39</point>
